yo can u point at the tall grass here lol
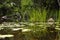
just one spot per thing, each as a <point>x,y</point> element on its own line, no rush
<point>37,15</point>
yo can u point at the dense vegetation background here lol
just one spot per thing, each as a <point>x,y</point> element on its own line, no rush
<point>32,10</point>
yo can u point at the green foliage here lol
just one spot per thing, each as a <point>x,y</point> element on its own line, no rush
<point>35,10</point>
<point>37,15</point>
